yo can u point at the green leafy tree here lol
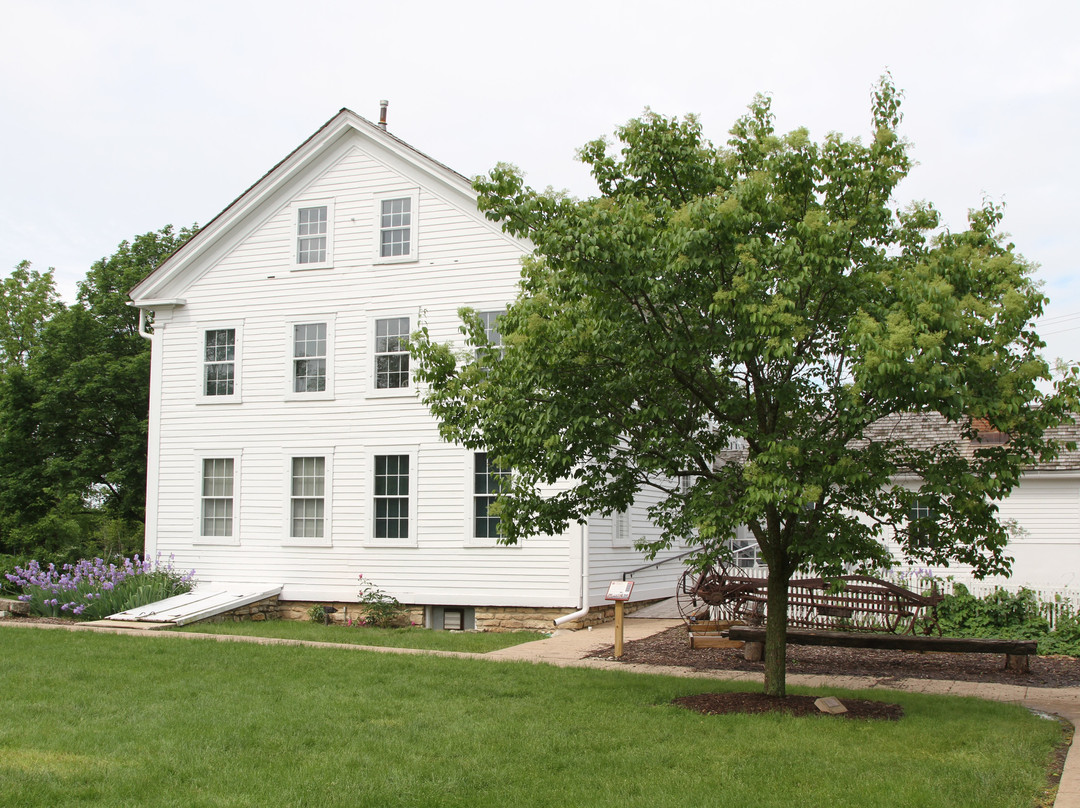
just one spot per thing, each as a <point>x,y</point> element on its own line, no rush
<point>73,441</point>
<point>28,299</point>
<point>727,325</point>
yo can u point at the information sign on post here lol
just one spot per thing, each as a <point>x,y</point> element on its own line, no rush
<point>619,591</point>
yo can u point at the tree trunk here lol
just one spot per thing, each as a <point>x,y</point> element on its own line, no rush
<point>776,634</point>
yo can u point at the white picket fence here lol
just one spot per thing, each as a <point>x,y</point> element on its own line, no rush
<point>1053,601</point>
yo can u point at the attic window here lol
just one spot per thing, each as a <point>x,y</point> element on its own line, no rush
<point>311,235</point>
<point>396,228</point>
<point>987,434</point>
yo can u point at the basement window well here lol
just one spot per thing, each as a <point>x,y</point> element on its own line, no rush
<point>450,618</point>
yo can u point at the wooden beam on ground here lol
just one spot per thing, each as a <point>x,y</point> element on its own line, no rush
<point>901,642</point>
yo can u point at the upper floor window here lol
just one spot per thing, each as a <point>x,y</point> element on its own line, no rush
<point>491,331</point>
<point>620,529</point>
<point>396,228</point>
<point>313,232</point>
<point>309,358</point>
<point>219,362</point>
<point>488,481</point>
<point>309,355</point>
<point>311,235</point>
<point>391,353</point>
<point>922,523</point>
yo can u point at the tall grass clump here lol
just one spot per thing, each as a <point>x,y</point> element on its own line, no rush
<point>91,590</point>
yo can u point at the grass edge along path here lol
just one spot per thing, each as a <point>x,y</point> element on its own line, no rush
<point>103,719</point>
<point>468,642</point>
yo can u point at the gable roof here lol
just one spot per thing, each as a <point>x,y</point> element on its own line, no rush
<point>926,430</point>
<point>159,287</point>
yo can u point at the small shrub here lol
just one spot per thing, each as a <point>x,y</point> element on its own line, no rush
<point>1065,638</point>
<point>1008,616</point>
<point>380,609</point>
<point>1001,614</point>
<point>317,614</point>
<point>92,590</point>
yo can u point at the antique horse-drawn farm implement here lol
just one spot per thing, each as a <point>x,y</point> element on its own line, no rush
<point>846,602</point>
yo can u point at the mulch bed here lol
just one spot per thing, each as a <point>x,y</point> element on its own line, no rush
<point>672,648</point>
<point>722,703</point>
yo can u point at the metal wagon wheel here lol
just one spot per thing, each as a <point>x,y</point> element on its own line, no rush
<point>688,599</point>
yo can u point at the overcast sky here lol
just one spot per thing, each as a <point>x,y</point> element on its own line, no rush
<point>117,118</point>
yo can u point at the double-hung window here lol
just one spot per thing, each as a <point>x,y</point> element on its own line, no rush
<point>219,362</point>
<point>309,358</point>
<point>309,345</point>
<point>392,496</point>
<point>922,524</point>
<point>488,481</point>
<point>307,498</point>
<point>392,353</point>
<point>217,505</point>
<point>620,529</point>
<point>313,234</point>
<point>491,333</point>
<point>396,228</point>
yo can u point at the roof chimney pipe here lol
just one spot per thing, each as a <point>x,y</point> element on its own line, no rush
<point>382,114</point>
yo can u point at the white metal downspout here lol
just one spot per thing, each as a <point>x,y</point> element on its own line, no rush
<point>142,325</point>
<point>584,600</point>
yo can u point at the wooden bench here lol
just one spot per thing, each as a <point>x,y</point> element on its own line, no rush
<point>1017,652</point>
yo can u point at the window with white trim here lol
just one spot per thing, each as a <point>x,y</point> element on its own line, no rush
<point>307,499</point>
<point>488,481</point>
<point>219,362</point>
<point>491,331</point>
<point>392,496</point>
<point>396,227</point>
<point>745,553</point>
<point>311,234</point>
<point>620,529</point>
<point>309,358</point>
<point>392,353</point>
<point>217,505</point>
<point>922,524</point>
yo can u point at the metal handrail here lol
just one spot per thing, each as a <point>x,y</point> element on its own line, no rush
<point>658,563</point>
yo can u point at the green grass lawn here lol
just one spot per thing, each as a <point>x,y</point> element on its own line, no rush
<point>108,720</point>
<point>469,642</point>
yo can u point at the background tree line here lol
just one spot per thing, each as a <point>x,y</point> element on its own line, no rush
<point>74,398</point>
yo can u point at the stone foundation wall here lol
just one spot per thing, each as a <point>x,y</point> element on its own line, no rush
<point>11,606</point>
<point>298,610</point>
<point>266,609</point>
<point>488,618</point>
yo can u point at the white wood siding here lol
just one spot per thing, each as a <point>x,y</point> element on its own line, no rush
<point>461,262</point>
<point>1045,546</point>
<point>608,562</point>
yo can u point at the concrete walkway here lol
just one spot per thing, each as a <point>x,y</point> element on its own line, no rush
<point>569,649</point>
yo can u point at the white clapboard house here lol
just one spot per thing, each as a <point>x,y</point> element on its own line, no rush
<point>288,445</point>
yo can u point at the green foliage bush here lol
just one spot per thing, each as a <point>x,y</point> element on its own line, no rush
<point>380,609</point>
<point>1009,615</point>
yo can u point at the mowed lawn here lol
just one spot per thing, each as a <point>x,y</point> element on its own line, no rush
<point>94,719</point>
